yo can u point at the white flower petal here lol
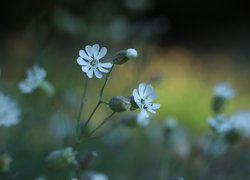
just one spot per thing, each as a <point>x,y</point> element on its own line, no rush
<point>83,55</point>
<point>106,65</point>
<point>85,68</point>
<point>150,93</point>
<point>102,69</point>
<point>98,74</point>
<point>142,87</point>
<point>88,48</point>
<point>102,53</point>
<point>142,121</point>
<point>90,73</point>
<point>136,96</point>
<point>151,110</point>
<point>81,61</point>
<point>155,106</point>
<point>95,50</point>
<point>144,113</point>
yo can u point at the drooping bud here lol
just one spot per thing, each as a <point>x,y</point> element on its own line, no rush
<point>119,103</point>
<point>123,56</point>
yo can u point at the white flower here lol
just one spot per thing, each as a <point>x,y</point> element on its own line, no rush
<point>224,90</point>
<point>90,61</point>
<point>239,121</point>
<point>91,175</point>
<point>68,155</point>
<point>221,124</point>
<point>9,111</point>
<point>35,78</point>
<point>144,98</point>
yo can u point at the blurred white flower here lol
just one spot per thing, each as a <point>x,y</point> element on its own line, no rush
<point>224,90</point>
<point>143,99</point>
<point>95,176</point>
<point>70,155</point>
<point>221,124</point>
<point>9,111</point>
<point>35,77</point>
<point>90,61</point>
<point>239,121</point>
<point>62,157</point>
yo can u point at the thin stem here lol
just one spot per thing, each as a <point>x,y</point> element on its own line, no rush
<point>81,106</point>
<point>92,113</point>
<point>99,102</point>
<point>102,123</point>
<point>104,102</point>
<point>105,82</point>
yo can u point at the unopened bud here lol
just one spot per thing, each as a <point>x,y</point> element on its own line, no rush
<point>119,103</point>
<point>124,55</point>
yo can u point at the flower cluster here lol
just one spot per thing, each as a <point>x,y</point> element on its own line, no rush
<point>142,98</point>
<point>9,111</point>
<point>35,77</point>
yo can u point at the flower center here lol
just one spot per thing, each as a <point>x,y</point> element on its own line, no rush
<point>94,62</point>
<point>143,104</point>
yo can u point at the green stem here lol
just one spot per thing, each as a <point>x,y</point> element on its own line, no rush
<point>102,123</point>
<point>83,100</point>
<point>99,102</point>
<point>105,82</point>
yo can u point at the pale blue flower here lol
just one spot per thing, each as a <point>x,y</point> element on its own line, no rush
<point>224,90</point>
<point>143,98</point>
<point>35,78</point>
<point>91,175</point>
<point>90,61</point>
<point>9,111</point>
<point>239,121</point>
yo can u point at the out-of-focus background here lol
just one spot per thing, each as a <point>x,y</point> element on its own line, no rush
<point>184,49</point>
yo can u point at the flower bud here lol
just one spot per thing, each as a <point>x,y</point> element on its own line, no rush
<point>124,55</point>
<point>119,103</point>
